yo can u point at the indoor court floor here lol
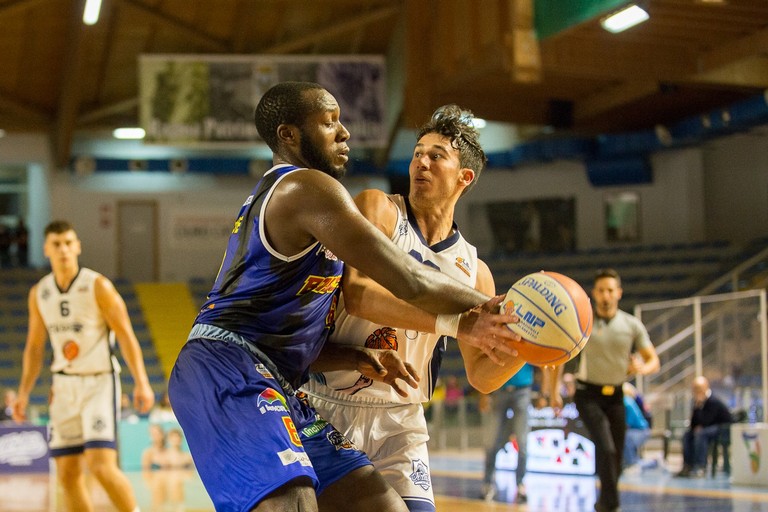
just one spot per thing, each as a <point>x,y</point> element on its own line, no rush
<point>457,482</point>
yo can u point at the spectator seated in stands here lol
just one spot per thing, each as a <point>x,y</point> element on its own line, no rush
<point>708,418</point>
<point>638,428</point>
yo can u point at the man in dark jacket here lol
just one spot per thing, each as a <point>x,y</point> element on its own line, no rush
<point>709,415</point>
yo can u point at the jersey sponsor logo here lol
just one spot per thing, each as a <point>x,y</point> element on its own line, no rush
<point>557,306</point>
<point>45,294</point>
<point>248,200</point>
<point>362,383</point>
<point>292,432</point>
<point>403,227</point>
<point>315,428</point>
<point>339,441</point>
<point>420,474</point>
<point>57,328</point>
<point>382,338</point>
<point>264,371</point>
<point>238,224</point>
<point>330,318</point>
<point>320,284</point>
<point>327,253</point>
<point>70,350</point>
<point>464,266</point>
<point>288,457</point>
<point>271,401</point>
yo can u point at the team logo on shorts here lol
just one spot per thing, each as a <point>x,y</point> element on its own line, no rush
<point>315,428</point>
<point>291,428</point>
<point>288,457</point>
<point>420,474</point>
<point>99,425</point>
<point>339,441</point>
<point>264,371</point>
<point>271,401</point>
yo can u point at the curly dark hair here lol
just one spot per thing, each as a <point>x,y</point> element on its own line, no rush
<point>283,103</point>
<point>453,122</point>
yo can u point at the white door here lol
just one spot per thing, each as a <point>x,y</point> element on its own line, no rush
<point>137,240</point>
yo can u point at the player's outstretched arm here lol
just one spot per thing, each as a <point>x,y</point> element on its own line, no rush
<point>115,313</point>
<point>383,365</point>
<point>484,373</point>
<point>32,360</point>
<point>310,205</point>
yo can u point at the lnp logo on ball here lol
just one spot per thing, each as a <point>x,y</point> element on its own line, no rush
<point>555,317</point>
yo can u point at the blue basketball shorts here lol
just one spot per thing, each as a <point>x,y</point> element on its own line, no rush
<point>247,436</point>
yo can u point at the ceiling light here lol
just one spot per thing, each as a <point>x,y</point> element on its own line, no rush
<point>91,12</point>
<point>129,133</point>
<point>624,19</point>
<point>478,122</point>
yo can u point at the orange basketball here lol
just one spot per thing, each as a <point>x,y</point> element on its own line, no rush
<point>555,317</point>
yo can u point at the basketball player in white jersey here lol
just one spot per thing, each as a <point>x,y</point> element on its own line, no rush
<point>81,312</point>
<point>386,420</point>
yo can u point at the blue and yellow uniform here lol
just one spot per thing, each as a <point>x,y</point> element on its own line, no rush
<point>232,387</point>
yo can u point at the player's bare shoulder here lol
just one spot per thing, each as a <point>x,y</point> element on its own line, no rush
<point>379,208</point>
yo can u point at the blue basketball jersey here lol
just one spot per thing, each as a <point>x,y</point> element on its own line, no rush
<point>283,304</point>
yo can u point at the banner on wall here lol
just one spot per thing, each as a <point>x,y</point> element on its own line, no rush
<point>198,230</point>
<point>210,99</point>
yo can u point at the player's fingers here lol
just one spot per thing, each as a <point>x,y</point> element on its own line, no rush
<point>488,350</point>
<point>414,375</point>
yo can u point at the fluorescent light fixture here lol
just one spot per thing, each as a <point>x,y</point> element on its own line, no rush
<point>478,122</point>
<point>129,133</point>
<point>624,19</point>
<point>91,12</point>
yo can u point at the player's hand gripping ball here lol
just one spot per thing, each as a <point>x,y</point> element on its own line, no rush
<point>555,317</point>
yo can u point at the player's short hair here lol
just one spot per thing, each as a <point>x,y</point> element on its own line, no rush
<point>283,103</point>
<point>455,123</point>
<point>608,272</point>
<point>58,227</point>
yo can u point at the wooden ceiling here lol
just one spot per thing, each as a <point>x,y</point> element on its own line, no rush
<point>60,76</point>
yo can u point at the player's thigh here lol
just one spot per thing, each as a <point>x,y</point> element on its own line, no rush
<point>362,489</point>
<point>297,495</point>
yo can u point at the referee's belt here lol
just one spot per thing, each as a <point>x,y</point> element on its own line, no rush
<point>600,389</point>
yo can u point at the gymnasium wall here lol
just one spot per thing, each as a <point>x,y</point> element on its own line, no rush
<point>715,191</point>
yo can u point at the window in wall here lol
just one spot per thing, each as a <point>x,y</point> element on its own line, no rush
<point>533,225</point>
<point>622,217</point>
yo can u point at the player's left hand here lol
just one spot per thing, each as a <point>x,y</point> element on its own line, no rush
<point>143,398</point>
<point>485,328</point>
<point>385,365</point>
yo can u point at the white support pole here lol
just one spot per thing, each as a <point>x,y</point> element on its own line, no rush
<point>764,350</point>
<point>697,351</point>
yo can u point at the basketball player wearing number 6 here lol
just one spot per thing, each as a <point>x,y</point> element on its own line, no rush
<point>386,419</point>
<point>79,310</point>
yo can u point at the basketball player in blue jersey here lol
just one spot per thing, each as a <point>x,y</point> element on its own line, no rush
<point>81,313</point>
<point>387,421</point>
<point>256,444</point>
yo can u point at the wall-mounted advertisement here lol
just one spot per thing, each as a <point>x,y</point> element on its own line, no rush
<point>194,99</point>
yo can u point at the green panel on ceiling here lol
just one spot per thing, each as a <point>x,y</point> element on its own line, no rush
<point>553,16</point>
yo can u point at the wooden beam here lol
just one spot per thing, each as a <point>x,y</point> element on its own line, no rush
<point>14,7</point>
<point>613,98</point>
<point>753,44</point>
<point>69,96</point>
<point>332,31</point>
<point>21,110</point>
<point>106,111</point>
<point>189,30</point>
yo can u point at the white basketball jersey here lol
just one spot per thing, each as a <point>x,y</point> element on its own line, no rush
<point>453,256</point>
<point>81,340</point>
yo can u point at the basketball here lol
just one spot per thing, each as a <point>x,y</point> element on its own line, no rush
<point>555,317</point>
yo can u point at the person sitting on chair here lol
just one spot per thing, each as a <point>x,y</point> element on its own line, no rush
<point>708,416</point>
